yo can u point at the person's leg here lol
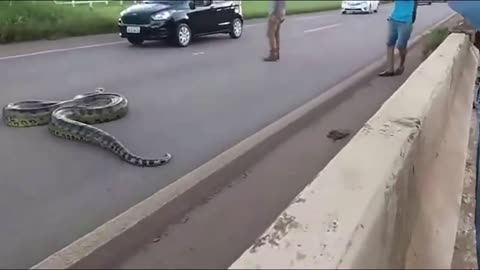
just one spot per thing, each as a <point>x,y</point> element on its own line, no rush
<point>277,39</point>
<point>390,59</point>
<point>404,33</point>
<point>271,33</point>
<point>391,40</point>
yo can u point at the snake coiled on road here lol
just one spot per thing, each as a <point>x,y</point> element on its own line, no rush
<point>72,119</point>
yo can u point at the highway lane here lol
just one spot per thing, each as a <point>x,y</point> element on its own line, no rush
<point>193,102</point>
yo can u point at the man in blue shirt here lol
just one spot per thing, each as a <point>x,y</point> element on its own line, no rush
<point>400,25</point>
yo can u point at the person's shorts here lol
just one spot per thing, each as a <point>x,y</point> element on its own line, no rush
<point>274,23</point>
<point>398,34</point>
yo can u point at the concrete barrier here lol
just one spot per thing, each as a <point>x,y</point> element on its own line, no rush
<point>391,198</point>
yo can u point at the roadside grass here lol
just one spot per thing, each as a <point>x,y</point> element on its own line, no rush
<point>34,20</point>
<point>434,39</point>
<point>259,9</point>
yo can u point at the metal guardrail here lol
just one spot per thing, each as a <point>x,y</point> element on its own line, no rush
<point>73,3</point>
<point>80,2</point>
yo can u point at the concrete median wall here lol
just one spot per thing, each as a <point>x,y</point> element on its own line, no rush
<point>391,198</point>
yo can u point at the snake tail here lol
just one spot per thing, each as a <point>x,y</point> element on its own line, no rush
<point>71,129</point>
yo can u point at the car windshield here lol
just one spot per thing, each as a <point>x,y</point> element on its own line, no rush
<point>167,2</point>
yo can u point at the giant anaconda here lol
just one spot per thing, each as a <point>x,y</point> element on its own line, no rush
<point>72,119</point>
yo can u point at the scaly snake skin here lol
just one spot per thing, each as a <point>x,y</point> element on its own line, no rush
<point>72,119</point>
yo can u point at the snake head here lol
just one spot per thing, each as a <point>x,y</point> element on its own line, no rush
<point>96,91</point>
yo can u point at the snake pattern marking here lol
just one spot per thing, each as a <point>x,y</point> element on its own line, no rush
<point>72,119</point>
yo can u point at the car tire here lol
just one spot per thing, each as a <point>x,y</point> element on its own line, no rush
<point>237,28</point>
<point>183,35</point>
<point>344,12</point>
<point>136,41</point>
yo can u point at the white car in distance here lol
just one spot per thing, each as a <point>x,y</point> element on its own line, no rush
<point>355,6</point>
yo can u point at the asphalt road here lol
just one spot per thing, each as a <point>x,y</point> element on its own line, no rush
<point>193,102</point>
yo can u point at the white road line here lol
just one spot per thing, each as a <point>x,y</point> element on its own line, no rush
<point>253,25</point>
<point>61,50</point>
<point>313,17</point>
<point>322,28</point>
<point>198,53</point>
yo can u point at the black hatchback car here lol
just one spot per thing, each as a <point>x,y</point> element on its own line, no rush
<point>179,21</point>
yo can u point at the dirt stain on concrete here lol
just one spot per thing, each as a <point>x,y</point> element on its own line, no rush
<point>300,256</point>
<point>282,226</point>
<point>299,200</point>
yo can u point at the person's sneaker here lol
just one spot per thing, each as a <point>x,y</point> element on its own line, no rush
<point>399,71</point>
<point>386,74</point>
